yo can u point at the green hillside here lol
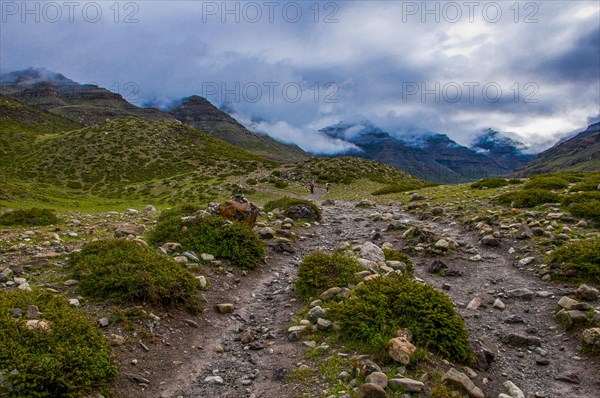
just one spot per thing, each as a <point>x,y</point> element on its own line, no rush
<point>21,126</point>
<point>135,158</point>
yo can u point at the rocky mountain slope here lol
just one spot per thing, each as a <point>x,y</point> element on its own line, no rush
<point>432,157</point>
<point>86,104</point>
<point>198,112</point>
<point>90,104</point>
<point>581,152</point>
<point>503,150</point>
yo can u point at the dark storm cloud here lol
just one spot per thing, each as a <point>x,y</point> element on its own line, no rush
<point>388,62</point>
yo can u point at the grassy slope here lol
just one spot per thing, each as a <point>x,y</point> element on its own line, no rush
<point>22,126</point>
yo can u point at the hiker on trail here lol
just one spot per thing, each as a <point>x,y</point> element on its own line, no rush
<point>327,186</point>
<point>312,187</point>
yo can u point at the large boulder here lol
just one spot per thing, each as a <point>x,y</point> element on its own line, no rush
<point>239,209</point>
<point>301,212</point>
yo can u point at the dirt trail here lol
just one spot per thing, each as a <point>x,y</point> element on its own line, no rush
<point>265,304</point>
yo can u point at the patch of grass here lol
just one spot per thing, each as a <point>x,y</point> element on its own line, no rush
<point>528,198</point>
<point>402,186</point>
<point>125,271</point>
<point>395,255</point>
<point>236,242</point>
<point>379,307</point>
<point>286,202</point>
<point>32,216</point>
<point>490,183</point>
<point>277,183</point>
<point>579,261</point>
<point>320,271</point>
<point>546,182</point>
<point>70,359</point>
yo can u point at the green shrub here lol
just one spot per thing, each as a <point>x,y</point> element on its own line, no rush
<point>71,359</point>
<point>33,216</point>
<point>395,255</point>
<point>379,307</point>
<point>515,181</point>
<point>591,185</point>
<point>125,271</point>
<point>401,186</point>
<point>280,184</point>
<point>320,271</point>
<point>578,260</point>
<point>528,198</point>
<point>251,181</point>
<point>237,243</point>
<point>546,182</point>
<point>589,210</point>
<point>582,197</point>
<point>287,202</point>
<point>489,183</point>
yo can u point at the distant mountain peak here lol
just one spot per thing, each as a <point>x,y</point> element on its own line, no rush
<point>491,139</point>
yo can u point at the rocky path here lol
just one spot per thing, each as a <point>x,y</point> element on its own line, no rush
<point>247,353</point>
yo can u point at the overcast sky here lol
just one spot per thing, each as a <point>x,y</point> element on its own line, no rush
<point>532,69</point>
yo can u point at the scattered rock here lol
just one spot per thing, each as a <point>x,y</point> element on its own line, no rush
<point>519,340</point>
<point>490,240</point>
<point>301,212</point>
<point>521,293</point>
<point>513,390</point>
<point>378,378</point>
<point>475,303</point>
<point>370,390</point>
<point>406,384</point>
<point>463,381</point>
<point>225,308</point>
<point>400,348</point>
<point>524,232</point>
<point>315,313</point>
<point>567,302</point>
<point>330,293</point>
<point>372,252</point>
<point>587,293</point>
<point>591,337</point>
<point>499,304</point>
<point>214,380</point>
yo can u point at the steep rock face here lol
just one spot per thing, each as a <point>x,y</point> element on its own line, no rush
<point>581,152</point>
<point>433,157</point>
<point>200,113</point>
<point>503,150</point>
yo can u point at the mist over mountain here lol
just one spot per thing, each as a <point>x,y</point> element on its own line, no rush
<point>507,152</point>
<point>427,155</point>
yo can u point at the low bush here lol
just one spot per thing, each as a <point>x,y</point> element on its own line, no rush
<point>280,184</point>
<point>236,242</point>
<point>69,359</point>
<point>33,216</point>
<point>395,255</point>
<point>286,202</point>
<point>489,183</point>
<point>320,271</point>
<point>546,182</point>
<point>125,271</point>
<point>589,210</point>
<point>528,198</point>
<point>577,260</point>
<point>582,197</point>
<point>379,307</point>
<point>251,181</point>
